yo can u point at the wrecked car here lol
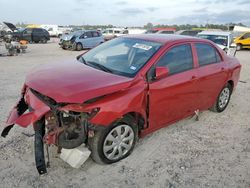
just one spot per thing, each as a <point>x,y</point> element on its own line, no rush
<point>80,40</point>
<point>121,90</point>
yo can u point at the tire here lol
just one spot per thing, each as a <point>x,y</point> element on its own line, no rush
<point>238,47</point>
<point>44,40</point>
<point>100,144</point>
<point>222,99</point>
<point>79,46</point>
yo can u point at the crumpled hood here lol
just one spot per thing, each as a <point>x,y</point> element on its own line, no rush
<point>74,82</point>
<point>67,37</point>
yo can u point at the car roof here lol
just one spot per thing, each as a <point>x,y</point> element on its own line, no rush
<point>163,38</point>
<point>224,33</point>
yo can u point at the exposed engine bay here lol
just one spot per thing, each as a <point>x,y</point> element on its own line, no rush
<point>66,130</point>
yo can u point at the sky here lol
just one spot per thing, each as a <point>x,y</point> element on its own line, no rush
<point>125,12</point>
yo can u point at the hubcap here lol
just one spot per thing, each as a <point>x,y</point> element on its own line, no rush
<point>224,98</point>
<point>118,142</point>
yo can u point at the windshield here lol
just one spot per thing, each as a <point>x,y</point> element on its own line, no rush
<point>218,39</point>
<point>151,31</point>
<point>122,56</point>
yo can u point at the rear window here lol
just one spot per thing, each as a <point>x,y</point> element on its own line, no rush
<point>207,54</point>
<point>95,34</point>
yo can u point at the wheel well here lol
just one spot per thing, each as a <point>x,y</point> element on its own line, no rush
<point>231,83</point>
<point>136,118</point>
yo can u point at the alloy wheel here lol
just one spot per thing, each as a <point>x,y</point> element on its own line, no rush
<point>224,97</point>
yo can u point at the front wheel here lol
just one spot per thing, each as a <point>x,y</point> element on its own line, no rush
<point>223,99</point>
<point>238,47</point>
<point>79,47</point>
<point>114,143</point>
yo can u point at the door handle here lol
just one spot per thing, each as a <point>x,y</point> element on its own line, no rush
<point>222,68</point>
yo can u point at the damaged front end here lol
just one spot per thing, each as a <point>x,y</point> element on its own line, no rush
<point>53,123</point>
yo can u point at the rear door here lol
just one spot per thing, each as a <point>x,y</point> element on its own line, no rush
<point>174,96</point>
<point>37,34</point>
<point>212,74</point>
<point>96,39</point>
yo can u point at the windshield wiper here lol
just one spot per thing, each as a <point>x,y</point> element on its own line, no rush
<point>99,66</point>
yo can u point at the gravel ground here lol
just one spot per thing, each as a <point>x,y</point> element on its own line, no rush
<point>211,152</point>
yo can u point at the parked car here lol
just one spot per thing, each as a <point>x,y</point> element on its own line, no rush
<point>243,41</point>
<point>69,38</point>
<point>111,33</point>
<point>169,30</point>
<point>123,89</point>
<point>222,38</point>
<point>29,34</point>
<point>81,40</point>
<point>188,32</point>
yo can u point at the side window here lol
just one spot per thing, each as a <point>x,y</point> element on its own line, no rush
<point>82,36</point>
<point>125,32</point>
<point>27,31</point>
<point>166,32</point>
<point>95,34</point>
<point>88,34</point>
<point>247,36</point>
<point>177,59</point>
<point>207,54</point>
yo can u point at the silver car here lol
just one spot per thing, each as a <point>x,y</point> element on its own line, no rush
<point>81,40</point>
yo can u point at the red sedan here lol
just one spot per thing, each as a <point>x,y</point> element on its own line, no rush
<point>121,90</point>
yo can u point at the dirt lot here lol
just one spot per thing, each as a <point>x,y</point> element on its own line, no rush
<point>212,152</point>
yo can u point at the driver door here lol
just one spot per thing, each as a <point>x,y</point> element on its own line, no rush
<point>27,34</point>
<point>173,97</point>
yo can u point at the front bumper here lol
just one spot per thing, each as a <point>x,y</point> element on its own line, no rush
<point>67,44</point>
<point>19,114</point>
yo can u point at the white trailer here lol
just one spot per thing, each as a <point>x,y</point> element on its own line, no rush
<point>55,30</point>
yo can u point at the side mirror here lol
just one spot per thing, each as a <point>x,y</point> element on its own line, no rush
<point>161,72</point>
<point>232,50</point>
<point>85,36</point>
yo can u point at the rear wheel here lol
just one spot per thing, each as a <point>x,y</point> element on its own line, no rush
<point>223,99</point>
<point>43,40</point>
<point>114,143</point>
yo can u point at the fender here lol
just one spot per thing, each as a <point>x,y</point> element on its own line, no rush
<point>114,106</point>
